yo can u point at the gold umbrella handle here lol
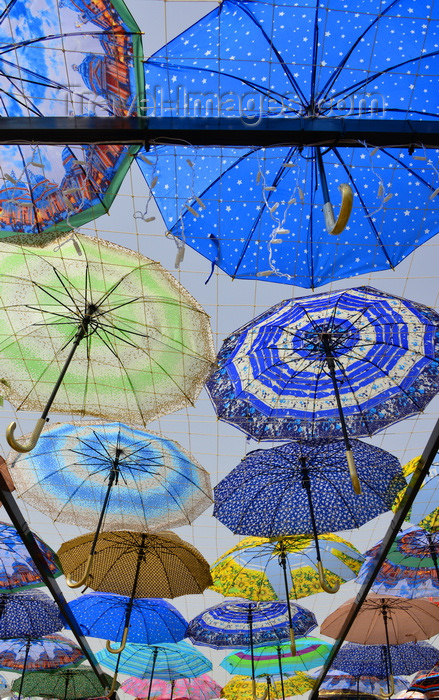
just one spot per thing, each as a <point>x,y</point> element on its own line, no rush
<point>81,582</point>
<point>324,584</point>
<point>33,438</point>
<point>113,686</point>
<point>333,226</point>
<point>255,697</point>
<point>391,689</point>
<point>122,644</point>
<point>292,642</point>
<point>353,472</point>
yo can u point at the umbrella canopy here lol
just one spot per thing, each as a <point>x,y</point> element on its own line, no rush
<point>385,620</point>
<point>411,566</point>
<point>48,652</point>
<point>271,660</point>
<point>266,495</point>
<point>254,567</point>
<point>152,620</point>
<point>64,684</point>
<point>424,511</point>
<point>28,614</point>
<point>155,483</point>
<point>17,569</point>
<point>201,688</point>
<point>257,212</point>
<point>137,564</point>
<point>147,343</point>
<point>336,364</point>
<point>164,661</point>
<point>59,59</point>
<point>372,659</point>
<point>241,687</point>
<point>426,682</point>
<point>335,680</point>
<point>242,623</point>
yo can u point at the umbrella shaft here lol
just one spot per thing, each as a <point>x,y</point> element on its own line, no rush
<point>331,367</point>
<point>280,673</point>
<point>322,175</point>
<point>154,659</point>
<point>24,668</point>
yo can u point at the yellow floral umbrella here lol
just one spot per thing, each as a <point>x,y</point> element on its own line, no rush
<point>262,568</point>
<point>424,511</point>
<point>241,688</point>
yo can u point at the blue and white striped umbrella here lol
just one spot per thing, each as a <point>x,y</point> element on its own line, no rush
<point>152,620</point>
<point>239,624</point>
<point>264,495</point>
<point>273,378</point>
<point>28,614</point>
<point>370,659</point>
<point>157,484</point>
<point>165,661</point>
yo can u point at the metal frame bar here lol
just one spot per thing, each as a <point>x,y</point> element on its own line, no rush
<point>415,484</point>
<point>29,542</point>
<point>226,131</point>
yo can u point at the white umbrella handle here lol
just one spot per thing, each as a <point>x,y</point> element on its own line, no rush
<point>33,438</point>
<point>333,226</point>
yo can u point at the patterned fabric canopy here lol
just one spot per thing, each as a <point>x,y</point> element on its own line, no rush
<point>60,58</point>
<point>257,212</point>
<point>270,660</point>
<point>241,687</point>
<point>152,620</point>
<point>252,568</point>
<point>28,614</point>
<point>149,346</point>
<point>426,682</point>
<point>424,511</point>
<point>52,651</point>
<point>411,566</point>
<point>17,569</point>
<point>236,623</point>
<point>335,680</point>
<point>64,684</point>
<point>264,495</point>
<point>201,688</point>
<point>273,383</point>
<point>157,483</point>
<point>179,568</point>
<point>370,659</point>
<point>172,661</point>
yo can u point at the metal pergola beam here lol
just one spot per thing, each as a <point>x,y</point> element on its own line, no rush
<point>415,484</point>
<point>221,131</point>
<point>20,524</point>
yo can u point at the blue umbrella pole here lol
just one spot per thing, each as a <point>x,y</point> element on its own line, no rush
<point>306,484</point>
<point>80,335</point>
<point>26,654</point>
<point>129,609</point>
<point>112,478</point>
<point>154,659</point>
<point>325,337</point>
<point>283,563</point>
<point>279,658</point>
<point>334,226</point>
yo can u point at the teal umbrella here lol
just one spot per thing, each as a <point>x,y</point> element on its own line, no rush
<point>278,659</point>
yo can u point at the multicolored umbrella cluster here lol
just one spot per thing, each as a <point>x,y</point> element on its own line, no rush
<point>89,328</point>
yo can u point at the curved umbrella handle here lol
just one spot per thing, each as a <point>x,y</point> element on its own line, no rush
<point>81,582</point>
<point>391,689</point>
<point>113,686</point>
<point>33,438</point>
<point>326,587</point>
<point>122,644</point>
<point>255,697</point>
<point>333,226</point>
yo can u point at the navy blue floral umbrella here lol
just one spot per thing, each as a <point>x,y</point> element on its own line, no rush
<point>257,212</point>
<point>28,614</point>
<point>374,659</point>
<point>336,364</point>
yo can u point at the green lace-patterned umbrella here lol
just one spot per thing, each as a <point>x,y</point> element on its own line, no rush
<point>94,328</point>
<point>64,684</point>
